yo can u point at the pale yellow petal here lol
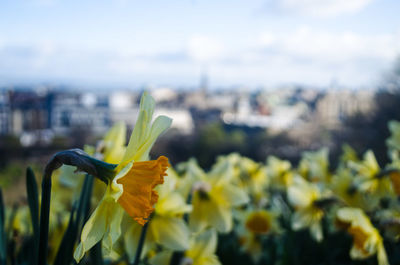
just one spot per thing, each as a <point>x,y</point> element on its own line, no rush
<point>233,195</point>
<point>205,244</point>
<point>114,229</point>
<point>160,124</point>
<point>172,204</point>
<point>171,232</point>
<point>316,231</point>
<point>94,229</point>
<point>161,258</point>
<point>131,240</point>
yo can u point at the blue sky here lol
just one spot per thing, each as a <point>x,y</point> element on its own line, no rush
<point>237,43</point>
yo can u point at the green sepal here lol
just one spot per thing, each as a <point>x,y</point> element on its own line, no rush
<point>83,162</point>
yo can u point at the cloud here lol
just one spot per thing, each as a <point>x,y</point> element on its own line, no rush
<point>311,44</point>
<point>323,8</point>
<point>304,56</point>
<point>204,48</point>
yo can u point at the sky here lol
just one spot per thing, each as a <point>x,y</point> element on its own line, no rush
<point>253,43</point>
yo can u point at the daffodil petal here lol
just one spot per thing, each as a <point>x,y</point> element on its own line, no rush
<point>172,204</point>
<point>170,232</point>
<point>94,229</point>
<point>114,231</point>
<point>160,124</point>
<point>161,258</point>
<point>234,195</point>
<point>205,244</point>
<point>131,240</point>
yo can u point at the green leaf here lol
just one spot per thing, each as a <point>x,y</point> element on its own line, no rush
<point>33,202</point>
<point>77,218</point>
<point>3,243</point>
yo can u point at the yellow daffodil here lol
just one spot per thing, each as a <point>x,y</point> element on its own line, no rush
<point>314,165</point>
<point>131,186</point>
<point>251,176</point>
<point>369,179</point>
<point>192,173</point>
<point>166,227</point>
<point>213,199</point>
<point>201,251</point>
<point>344,186</point>
<point>279,172</point>
<point>255,225</point>
<point>113,145</point>
<point>303,196</point>
<point>366,238</point>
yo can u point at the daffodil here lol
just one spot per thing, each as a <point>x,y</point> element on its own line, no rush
<point>131,185</point>
<point>369,178</point>
<point>344,186</point>
<point>366,238</point>
<point>192,172</point>
<point>256,225</point>
<point>166,227</point>
<point>279,172</point>
<point>251,176</point>
<point>304,197</point>
<point>213,199</point>
<point>201,251</point>
<point>314,165</point>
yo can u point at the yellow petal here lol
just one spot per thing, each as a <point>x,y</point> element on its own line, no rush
<point>143,135</point>
<point>94,229</point>
<point>234,196</point>
<point>131,240</point>
<point>171,232</point>
<point>161,258</point>
<point>114,143</point>
<point>204,245</point>
<point>114,227</point>
<point>172,205</point>
<point>208,212</point>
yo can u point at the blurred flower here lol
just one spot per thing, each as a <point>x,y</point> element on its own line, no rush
<point>314,165</point>
<point>348,154</point>
<point>192,173</point>
<point>213,199</point>
<point>255,225</point>
<point>113,145</point>
<point>249,175</point>
<point>344,186</point>
<point>368,176</point>
<point>366,239</point>
<point>131,188</point>
<point>201,251</point>
<point>279,172</point>
<point>304,197</point>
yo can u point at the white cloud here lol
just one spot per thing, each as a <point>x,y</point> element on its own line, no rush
<point>324,8</point>
<point>337,47</point>
<point>204,48</point>
<point>304,56</point>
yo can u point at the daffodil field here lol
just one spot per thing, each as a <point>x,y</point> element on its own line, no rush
<point>111,204</point>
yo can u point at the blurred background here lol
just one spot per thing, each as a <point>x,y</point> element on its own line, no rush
<point>260,77</point>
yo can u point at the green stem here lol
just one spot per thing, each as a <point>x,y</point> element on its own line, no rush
<point>44,219</point>
<point>141,244</point>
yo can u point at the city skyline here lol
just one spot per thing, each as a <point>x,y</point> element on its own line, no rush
<point>257,43</point>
